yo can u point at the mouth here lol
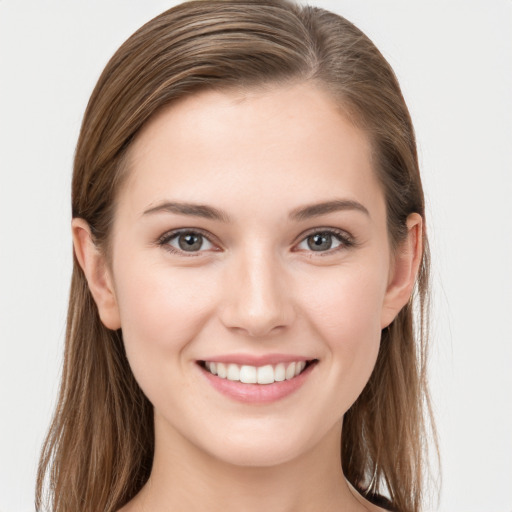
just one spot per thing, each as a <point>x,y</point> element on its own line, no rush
<point>262,375</point>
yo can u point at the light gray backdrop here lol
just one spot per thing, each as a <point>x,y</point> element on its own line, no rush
<point>454,61</point>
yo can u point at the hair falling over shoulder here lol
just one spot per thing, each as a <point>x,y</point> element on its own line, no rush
<point>99,449</point>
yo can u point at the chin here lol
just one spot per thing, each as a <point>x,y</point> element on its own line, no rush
<point>257,456</point>
<point>260,449</point>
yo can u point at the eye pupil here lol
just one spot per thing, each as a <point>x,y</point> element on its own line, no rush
<point>320,242</point>
<point>190,242</point>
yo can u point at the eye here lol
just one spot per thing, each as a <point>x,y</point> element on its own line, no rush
<point>324,241</point>
<point>186,241</point>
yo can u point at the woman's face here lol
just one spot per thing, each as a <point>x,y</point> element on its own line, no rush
<point>251,232</point>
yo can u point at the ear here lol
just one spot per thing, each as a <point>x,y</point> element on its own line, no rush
<point>95,268</point>
<point>404,269</point>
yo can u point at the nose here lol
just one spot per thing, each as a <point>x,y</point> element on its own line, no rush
<point>256,296</point>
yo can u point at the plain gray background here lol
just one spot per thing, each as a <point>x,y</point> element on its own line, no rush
<point>454,62</point>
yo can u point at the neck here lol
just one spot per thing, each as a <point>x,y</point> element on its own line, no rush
<point>184,477</point>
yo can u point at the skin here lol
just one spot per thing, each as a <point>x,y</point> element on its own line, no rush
<point>256,287</point>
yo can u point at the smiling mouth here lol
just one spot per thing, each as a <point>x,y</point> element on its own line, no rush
<point>247,374</point>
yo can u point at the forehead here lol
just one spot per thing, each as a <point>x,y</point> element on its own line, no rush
<point>288,144</point>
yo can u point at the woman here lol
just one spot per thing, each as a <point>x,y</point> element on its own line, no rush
<point>248,226</point>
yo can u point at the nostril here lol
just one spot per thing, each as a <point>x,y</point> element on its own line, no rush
<point>257,306</point>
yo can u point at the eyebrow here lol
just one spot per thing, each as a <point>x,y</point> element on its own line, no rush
<point>299,214</point>
<point>318,209</point>
<point>196,210</point>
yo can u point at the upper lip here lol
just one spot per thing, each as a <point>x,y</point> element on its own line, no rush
<point>256,360</point>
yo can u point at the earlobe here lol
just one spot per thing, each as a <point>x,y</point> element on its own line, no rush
<point>94,266</point>
<point>405,266</point>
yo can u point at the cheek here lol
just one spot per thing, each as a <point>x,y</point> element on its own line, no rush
<point>345,312</point>
<point>161,310</point>
<point>346,301</point>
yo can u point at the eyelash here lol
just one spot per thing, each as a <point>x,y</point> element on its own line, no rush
<point>345,239</point>
<point>164,240</point>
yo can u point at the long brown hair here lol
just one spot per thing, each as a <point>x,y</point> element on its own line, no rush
<point>100,445</point>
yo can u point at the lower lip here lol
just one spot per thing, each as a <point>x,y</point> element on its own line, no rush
<point>257,393</point>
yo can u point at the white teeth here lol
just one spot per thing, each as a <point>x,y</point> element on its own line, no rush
<point>267,374</point>
<point>222,370</point>
<point>233,372</point>
<point>299,367</point>
<point>290,371</point>
<point>248,374</point>
<point>280,372</point>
